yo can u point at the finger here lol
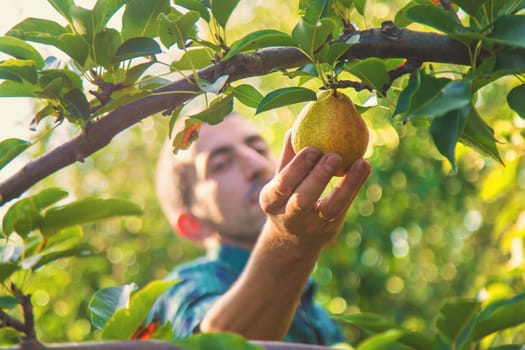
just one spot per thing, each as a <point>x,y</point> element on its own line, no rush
<point>311,188</point>
<point>340,199</point>
<point>287,152</point>
<point>278,191</point>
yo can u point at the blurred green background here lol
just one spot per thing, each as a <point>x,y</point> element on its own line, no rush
<point>417,234</point>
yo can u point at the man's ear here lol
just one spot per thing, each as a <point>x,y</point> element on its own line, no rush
<point>190,227</point>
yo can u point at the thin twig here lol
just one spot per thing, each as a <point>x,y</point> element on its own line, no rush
<point>7,320</point>
<point>27,307</point>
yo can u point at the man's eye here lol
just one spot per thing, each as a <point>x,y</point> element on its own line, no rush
<point>262,151</point>
<point>219,165</point>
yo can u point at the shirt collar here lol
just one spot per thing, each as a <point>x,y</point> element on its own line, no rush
<point>234,256</point>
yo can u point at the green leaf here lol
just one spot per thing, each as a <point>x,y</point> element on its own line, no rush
<point>407,95</point>
<point>104,10</point>
<point>436,97</point>
<point>63,7</point>
<point>10,336</point>
<point>85,210</point>
<point>125,321</point>
<point>66,238</point>
<point>77,105</point>
<point>68,79</point>
<point>35,262</point>
<point>313,10</point>
<point>284,97</point>
<point>140,18</point>
<point>6,270</point>
<point>10,149</point>
<point>219,109</point>
<point>417,341</point>
<point>360,6</point>
<point>335,51</point>
<point>215,341</point>
<point>90,23</point>
<point>164,332</point>
<point>371,71</point>
<point>372,323</point>
<point>24,216</point>
<point>509,30</point>
<point>369,322</point>
<point>260,39</point>
<point>454,317</point>
<point>83,22</point>
<point>105,302</point>
<point>311,38</point>
<point>8,302</point>
<point>30,27</point>
<point>11,88</point>
<point>196,5</point>
<point>515,99</point>
<point>446,130</point>
<point>51,33</point>
<point>177,30</point>
<point>222,10</point>
<point>15,69</point>
<point>500,315</point>
<point>134,73</point>
<point>248,95</point>
<point>18,48</point>
<point>75,46</point>
<point>48,196</point>
<point>105,46</point>
<point>175,114</point>
<point>510,60</point>
<point>193,59</point>
<point>478,135</point>
<point>471,7</point>
<point>137,47</point>
<point>435,17</point>
<point>380,341</point>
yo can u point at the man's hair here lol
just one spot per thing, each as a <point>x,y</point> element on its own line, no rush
<point>174,182</point>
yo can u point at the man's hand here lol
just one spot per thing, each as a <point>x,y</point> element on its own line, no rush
<point>262,302</point>
<point>292,199</point>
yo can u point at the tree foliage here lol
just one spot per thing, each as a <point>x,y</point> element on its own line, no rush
<point>439,83</point>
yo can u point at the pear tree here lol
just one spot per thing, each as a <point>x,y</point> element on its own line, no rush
<point>426,64</point>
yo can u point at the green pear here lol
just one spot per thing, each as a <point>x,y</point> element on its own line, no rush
<point>331,124</point>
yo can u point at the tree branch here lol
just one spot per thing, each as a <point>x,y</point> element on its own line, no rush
<point>387,42</point>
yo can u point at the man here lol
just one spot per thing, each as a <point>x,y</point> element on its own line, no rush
<point>263,224</point>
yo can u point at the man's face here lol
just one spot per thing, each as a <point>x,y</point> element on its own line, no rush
<point>232,163</point>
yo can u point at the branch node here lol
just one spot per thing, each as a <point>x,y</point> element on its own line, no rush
<point>390,29</point>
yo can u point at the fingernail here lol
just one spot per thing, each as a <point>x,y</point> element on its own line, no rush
<point>332,162</point>
<point>362,166</point>
<point>312,155</point>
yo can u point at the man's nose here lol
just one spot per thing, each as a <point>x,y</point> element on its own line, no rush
<point>254,164</point>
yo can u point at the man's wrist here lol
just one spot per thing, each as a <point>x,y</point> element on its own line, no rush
<point>299,246</point>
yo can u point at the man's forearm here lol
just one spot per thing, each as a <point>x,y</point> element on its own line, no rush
<point>262,303</point>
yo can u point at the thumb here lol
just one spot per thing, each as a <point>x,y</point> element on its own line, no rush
<point>287,153</point>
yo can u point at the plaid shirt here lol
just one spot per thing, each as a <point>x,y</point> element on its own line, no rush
<point>202,281</point>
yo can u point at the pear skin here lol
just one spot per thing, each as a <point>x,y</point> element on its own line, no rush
<point>331,124</point>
